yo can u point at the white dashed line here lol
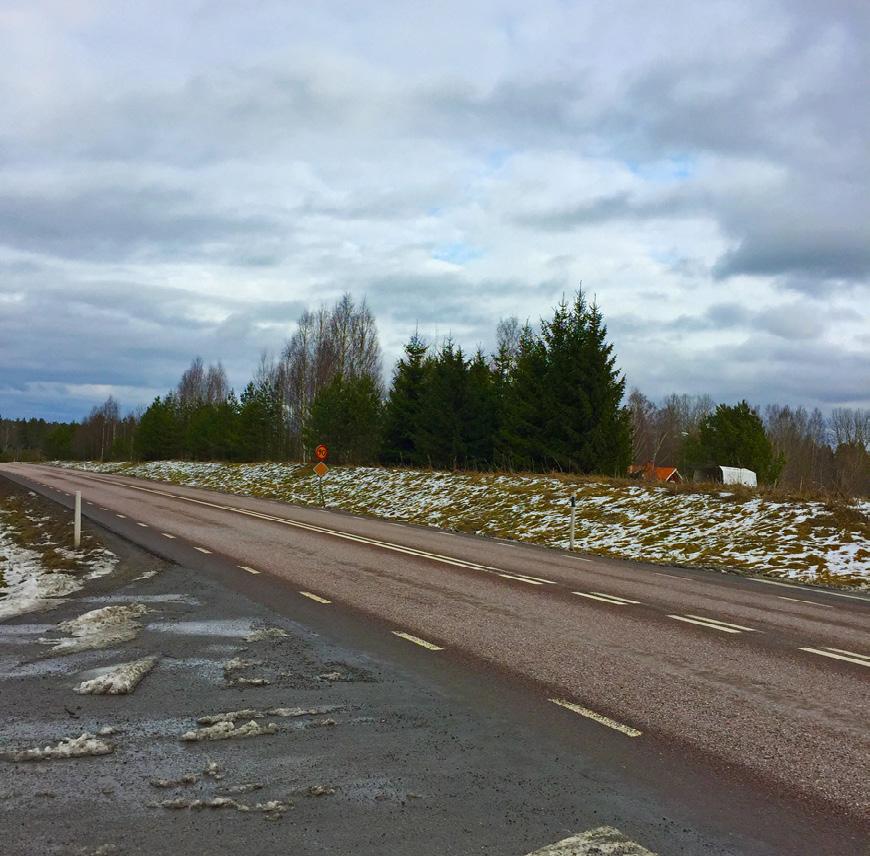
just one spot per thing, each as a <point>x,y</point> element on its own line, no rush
<point>167,535</point>
<point>416,640</point>
<point>315,597</point>
<point>840,654</point>
<point>707,624</point>
<point>249,569</point>
<point>723,623</point>
<point>143,525</point>
<point>203,550</point>
<point>580,558</point>
<point>122,516</point>
<point>605,598</point>
<point>597,717</point>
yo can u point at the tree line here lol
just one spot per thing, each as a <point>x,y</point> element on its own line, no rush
<point>550,398</point>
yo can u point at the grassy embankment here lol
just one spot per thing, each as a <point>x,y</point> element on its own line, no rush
<point>822,541</point>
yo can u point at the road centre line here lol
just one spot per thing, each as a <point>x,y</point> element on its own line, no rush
<point>838,654</point>
<point>703,624</point>
<point>597,717</point>
<point>723,623</point>
<point>416,640</point>
<point>606,598</point>
<point>315,597</point>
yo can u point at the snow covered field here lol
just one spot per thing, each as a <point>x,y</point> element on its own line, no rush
<point>730,528</point>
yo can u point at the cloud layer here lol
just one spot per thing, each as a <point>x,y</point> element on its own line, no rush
<point>183,178</point>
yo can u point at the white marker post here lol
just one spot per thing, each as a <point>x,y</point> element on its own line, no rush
<point>77,522</point>
<point>573,518</point>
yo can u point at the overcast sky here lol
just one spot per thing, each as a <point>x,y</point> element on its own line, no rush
<point>182,178</point>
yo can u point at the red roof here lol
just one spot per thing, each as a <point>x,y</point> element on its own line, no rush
<point>653,473</point>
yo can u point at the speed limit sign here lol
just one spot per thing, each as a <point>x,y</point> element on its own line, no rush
<point>321,452</point>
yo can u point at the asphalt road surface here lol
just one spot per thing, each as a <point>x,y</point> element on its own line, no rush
<point>743,702</point>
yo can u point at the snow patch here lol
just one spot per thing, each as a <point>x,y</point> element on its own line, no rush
<point>70,747</point>
<point>119,680</point>
<point>99,628</point>
<point>229,731</point>
<point>252,713</point>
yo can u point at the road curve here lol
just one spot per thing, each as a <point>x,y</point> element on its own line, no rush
<point>764,683</point>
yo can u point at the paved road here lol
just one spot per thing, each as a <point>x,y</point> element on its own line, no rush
<point>761,688</point>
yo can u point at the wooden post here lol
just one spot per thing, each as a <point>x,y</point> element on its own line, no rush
<point>77,521</point>
<point>573,518</point>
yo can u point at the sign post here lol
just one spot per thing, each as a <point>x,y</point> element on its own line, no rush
<point>573,518</point>
<point>320,468</point>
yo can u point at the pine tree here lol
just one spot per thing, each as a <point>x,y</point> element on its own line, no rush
<point>403,409</point>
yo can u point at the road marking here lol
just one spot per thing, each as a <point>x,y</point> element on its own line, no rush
<point>812,602</point>
<point>838,654</point>
<point>88,503</point>
<point>706,624</point>
<point>167,535</point>
<point>416,640</point>
<point>801,588</point>
<point>672,576</point>
<point>315,597</point>
<point>597,717</point>
<point>122,516</point>
<point>203,550</point>
<point>580,558</point>
<point>143,525</point>
<point>723,623</point>
<point>250,570</point>
<point>605,598</point>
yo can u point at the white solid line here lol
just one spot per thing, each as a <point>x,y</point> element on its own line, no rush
<point>416,640</point>
<point>833,656</point>
<point>203,550</point>
<point>811,602</point>
<point>315,597</point>
<point>610,600</point>
<point>167,535</point>
<point>805,588</point>
<point>597,717</point>
<point>722,623</point>
<point>580,558</point>
<point>249,569</point>
<point>519,579</point>
<point>704,624</point>
<point>672,576</point>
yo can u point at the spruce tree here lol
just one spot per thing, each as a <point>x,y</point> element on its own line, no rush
<point>521,432</point>
<point>441,433</point>
<point>403,408</point>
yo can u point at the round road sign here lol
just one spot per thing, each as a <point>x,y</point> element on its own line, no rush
<point>321,452</point>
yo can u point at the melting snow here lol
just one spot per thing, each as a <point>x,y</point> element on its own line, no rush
<point>70,747</point>
<point>99,628</point>
<point>119,680</point>
<point>228,731</point>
